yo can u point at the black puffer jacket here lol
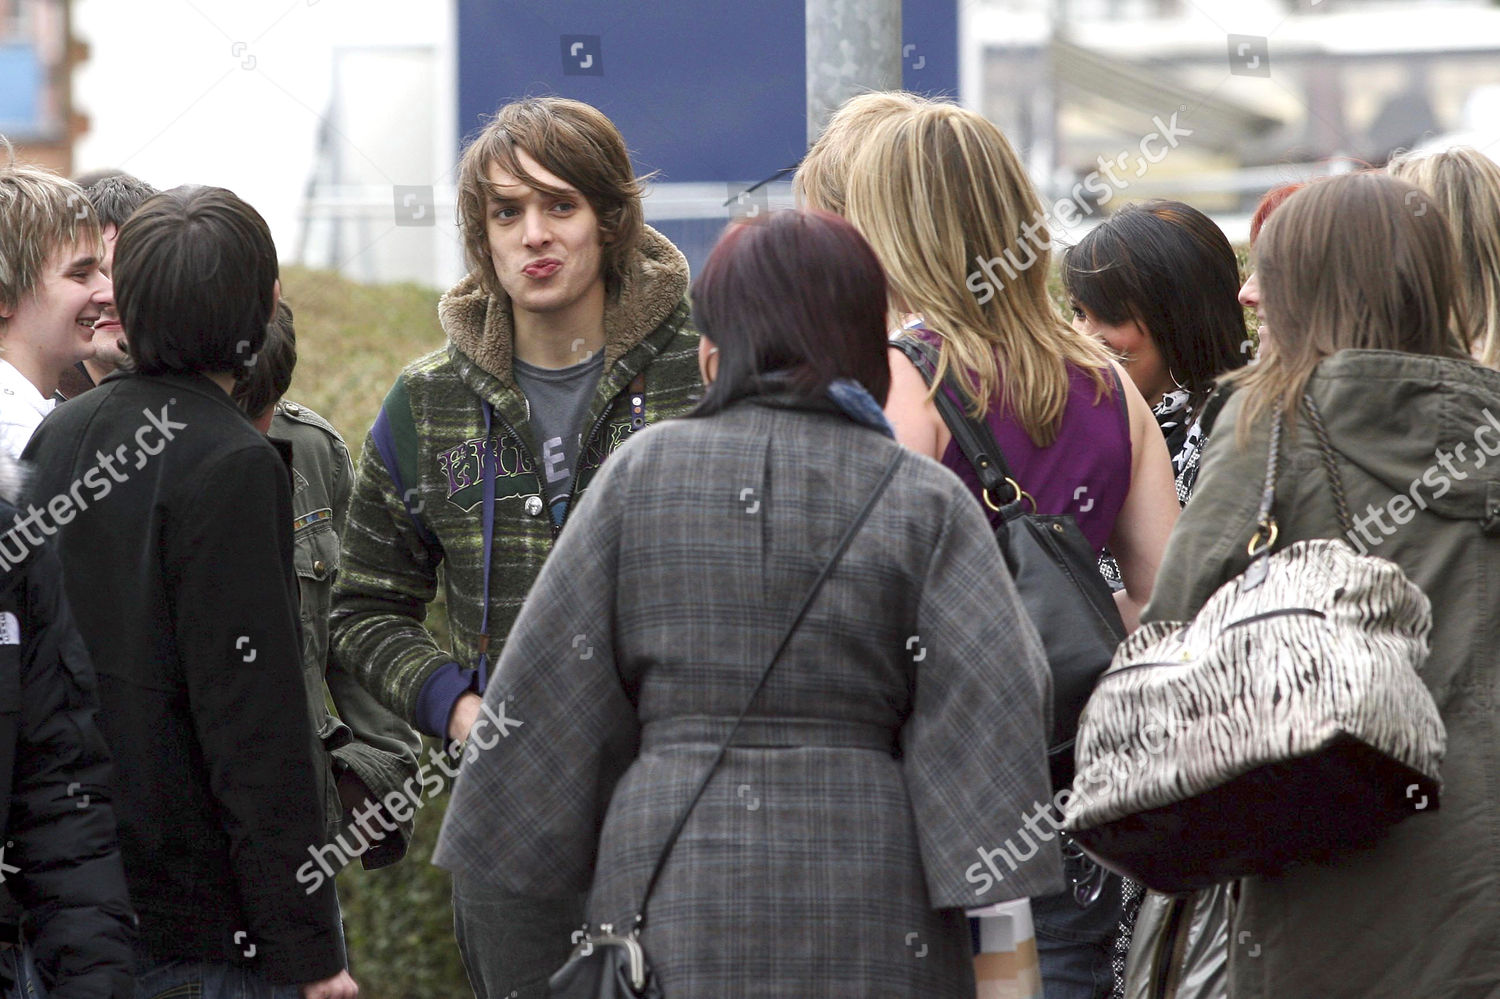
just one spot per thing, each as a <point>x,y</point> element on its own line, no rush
<point>61,858</point>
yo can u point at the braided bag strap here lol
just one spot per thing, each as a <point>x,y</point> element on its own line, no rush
<point>1330,463</point>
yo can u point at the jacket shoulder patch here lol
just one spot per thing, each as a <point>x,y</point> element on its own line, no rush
<point>314,517</point>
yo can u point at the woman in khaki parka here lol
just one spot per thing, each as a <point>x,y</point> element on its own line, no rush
<point>1357,278</point>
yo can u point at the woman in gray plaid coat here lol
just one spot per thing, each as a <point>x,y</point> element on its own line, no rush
<point>891,761</point>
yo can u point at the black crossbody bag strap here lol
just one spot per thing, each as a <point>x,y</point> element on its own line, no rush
<point>974,437</point>
<point>812,592</point>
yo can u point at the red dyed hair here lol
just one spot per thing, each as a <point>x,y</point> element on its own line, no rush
<point>1268,204</point>
<point>799,292</point>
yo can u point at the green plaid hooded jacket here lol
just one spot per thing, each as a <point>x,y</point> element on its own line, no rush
<point>418,490</point>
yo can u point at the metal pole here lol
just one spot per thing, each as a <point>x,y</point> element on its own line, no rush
<point>853,46</point>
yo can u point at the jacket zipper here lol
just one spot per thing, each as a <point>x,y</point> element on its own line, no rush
<point>1252,619</point>
<point>1283,612</point>
<point>520,443</point>
<point>583,447</point>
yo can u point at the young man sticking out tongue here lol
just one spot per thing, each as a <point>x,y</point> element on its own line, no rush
<point>569,334</point>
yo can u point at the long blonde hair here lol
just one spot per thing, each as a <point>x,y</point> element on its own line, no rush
<point>1359,261</point>
<point>823,175</point>
<point>1466,184</point>
<point>940,194</point>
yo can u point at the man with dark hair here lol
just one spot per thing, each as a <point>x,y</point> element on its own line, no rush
<point>89,178</point>
<point>369,753</point>
<point>177,550</point>
<point>570,333</point>
<point>115,197</point>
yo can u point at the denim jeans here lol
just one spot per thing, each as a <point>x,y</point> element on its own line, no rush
<point>511,944</point>
<point>178,979</point>
<point>1074,944</point>
<point>22,971</point>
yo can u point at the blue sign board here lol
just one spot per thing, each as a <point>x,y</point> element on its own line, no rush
<point>702,90</point>
<point>929,47</point>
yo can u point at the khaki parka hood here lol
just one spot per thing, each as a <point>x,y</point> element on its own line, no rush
<point>479,326</point>
<point>1424,426</point>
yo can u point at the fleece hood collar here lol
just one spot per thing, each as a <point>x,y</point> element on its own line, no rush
<point>479,325</point>
<point>1398,416</point>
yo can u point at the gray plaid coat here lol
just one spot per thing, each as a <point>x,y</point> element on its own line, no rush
<point>901,734</point>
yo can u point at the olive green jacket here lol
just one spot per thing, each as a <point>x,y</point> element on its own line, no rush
<point>1418,445</point>
<point>364,738</point>
<point>417,506</point>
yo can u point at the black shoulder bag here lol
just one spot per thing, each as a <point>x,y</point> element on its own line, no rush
<point>1054,567</point>
<point>607,964</point>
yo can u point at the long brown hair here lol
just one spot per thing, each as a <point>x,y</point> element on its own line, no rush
<point>940,193</point>
<point>1361,261</point>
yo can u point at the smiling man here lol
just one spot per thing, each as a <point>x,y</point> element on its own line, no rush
<point>52,291</point>
<point>115,198</point>
<point>569,334</point>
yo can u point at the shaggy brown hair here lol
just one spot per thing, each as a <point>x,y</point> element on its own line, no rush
<point>576,142</point>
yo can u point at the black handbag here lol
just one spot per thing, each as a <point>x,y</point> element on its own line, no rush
<point>607,964</point>
<point>1054,567</point>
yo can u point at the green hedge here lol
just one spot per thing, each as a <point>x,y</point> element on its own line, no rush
<point>352,341</point>
<point>399,922</point>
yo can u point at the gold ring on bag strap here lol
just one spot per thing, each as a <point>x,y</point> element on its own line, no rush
<point>1255,540</point>
<point>1265,518</point>
<point>1020,495</point>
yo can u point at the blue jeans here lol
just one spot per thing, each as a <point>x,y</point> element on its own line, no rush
<point>1074,944</point>
<point>178,979</point>
<point>22,971</point>
<point>511,944</point>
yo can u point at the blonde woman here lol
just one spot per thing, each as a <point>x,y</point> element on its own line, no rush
<point>943,199</point>
<point>1466,185</point>
<point>941,196</point>
<point>823,176</point>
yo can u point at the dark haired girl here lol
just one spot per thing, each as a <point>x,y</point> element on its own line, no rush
<point>1158,283</point>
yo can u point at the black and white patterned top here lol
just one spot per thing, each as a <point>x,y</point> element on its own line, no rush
<point>1182,426</point>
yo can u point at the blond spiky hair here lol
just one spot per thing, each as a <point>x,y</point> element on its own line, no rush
<point>41,214</point>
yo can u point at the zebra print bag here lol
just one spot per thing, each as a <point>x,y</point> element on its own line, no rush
<point>1286,722</point>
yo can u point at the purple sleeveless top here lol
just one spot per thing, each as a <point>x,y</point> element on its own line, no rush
<point>1085,472</point>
